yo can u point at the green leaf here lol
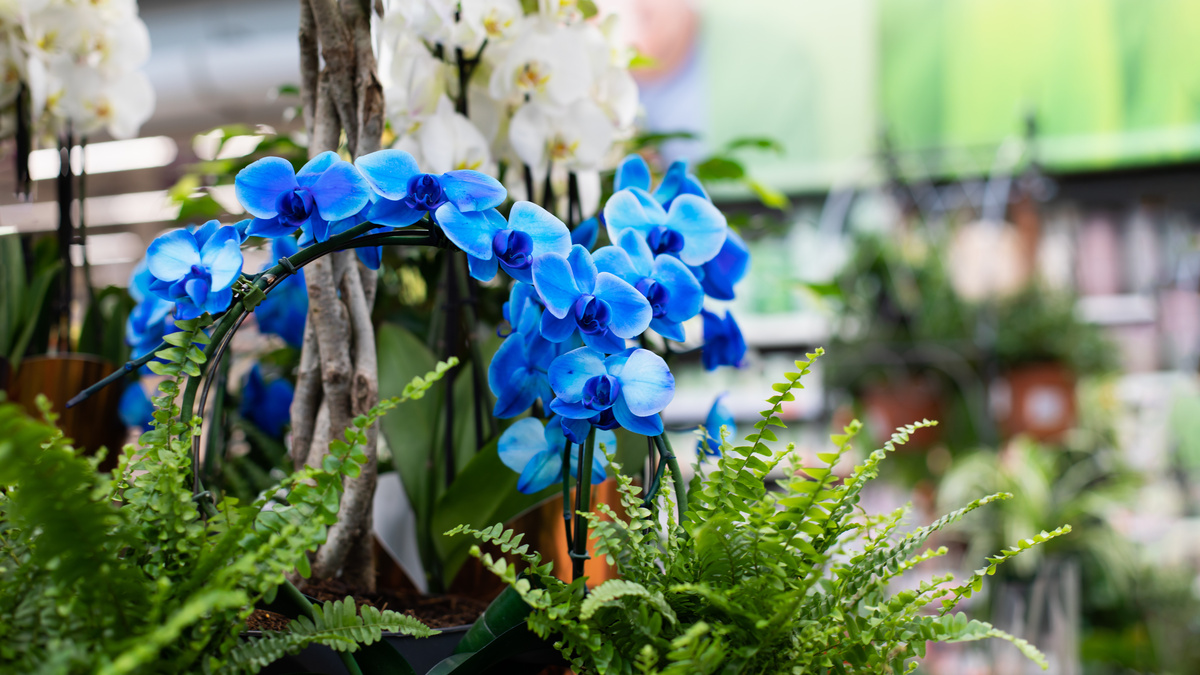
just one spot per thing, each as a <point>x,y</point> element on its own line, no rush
<point>720,168</point>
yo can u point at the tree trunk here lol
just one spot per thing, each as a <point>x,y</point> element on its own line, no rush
<point>338,378</point>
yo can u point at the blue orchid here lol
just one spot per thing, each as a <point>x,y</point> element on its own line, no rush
<point>668,285</point>
<point>719,275</point>
<point>723,341</point>
<point>719,417</point>
<point>585,235</point>
<point>325,190</point>
<point>267,405</point>
<point>523,310</point>
<point>151,318</point>
<point>462,202</point>
<point>517,374</point>
<point>605,309</point>
<point>693,229</point>
<point>285,309</point>
<point>135,408</point>
<point>536,452</point>
<point>196,270</point>
<point>635,385</point>
<point>530,232</point>
<point>633,173</point>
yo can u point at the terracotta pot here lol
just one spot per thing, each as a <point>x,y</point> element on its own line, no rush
<point>1042,401</point>
<point>892,404</point>
<point>91,424</point>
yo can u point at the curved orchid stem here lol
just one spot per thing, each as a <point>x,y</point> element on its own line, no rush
<point>667,456</point>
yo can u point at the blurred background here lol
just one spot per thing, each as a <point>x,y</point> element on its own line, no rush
<point>987,212</point>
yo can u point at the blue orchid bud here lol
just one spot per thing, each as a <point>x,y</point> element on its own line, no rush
<point>605,309</point>
<point>267,405</point>
<point>196,270</point>
<point>285,309</point>
<point>719,275</point>
<point>135,408</point>
<point>535,451</point>
<point>326,189</point>
<point>723,342</point>
<point>634,385</point>
<point>719,417</point>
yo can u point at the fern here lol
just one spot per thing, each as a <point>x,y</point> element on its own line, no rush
<point>124,575</point>
<point>756,581</point>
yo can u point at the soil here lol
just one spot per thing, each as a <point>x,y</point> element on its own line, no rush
<point>435,611</point>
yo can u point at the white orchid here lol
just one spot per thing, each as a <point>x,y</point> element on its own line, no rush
<point>413,83</point>
<point>448,141</point>
<point>576,137</point>
<point>548,63</point>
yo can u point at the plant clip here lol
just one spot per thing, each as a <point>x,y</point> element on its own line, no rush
<point>287,265</point>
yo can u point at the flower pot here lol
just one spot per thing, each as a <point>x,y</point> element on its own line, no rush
<point>891,404</point>
<point>93,424</point>
<point>5,375</point>
<point>1041,401</point>
<point>421,653</point>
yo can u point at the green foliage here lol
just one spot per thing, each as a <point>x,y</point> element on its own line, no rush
<point>124,575</point>
<point>1039,324</point>
<point>757,580</point>
<point>24,312</point>
<point>103,330</point>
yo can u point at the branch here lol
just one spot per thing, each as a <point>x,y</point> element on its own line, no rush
<point>308,395</point>
<point>331,320</point>
<point>337,48</point>
<point>366,81</point>
<point>310,66</point>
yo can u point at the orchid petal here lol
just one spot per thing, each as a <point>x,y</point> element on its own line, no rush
<point>483,270</point>
<point>632,209</point>
<point>703,228</point>
<point>647,384</point>
<point>548,232</point>
<point>218,300</point>
<point>632,172</point>
<point>269,228</point>
<point>616,261</point>
<point>470,231</point>
<point>316,166</point>
<point>569,372</point>
<point>393,213</point>
<point>171,256</point>
<point>585,235</point>
<point>583,268</point>
<point>544,470</point>
<point>646,426</point>
<point>727,268</point>
<point>671,330</point>
<point>341,192</point>
<point>605,343</point>
<point>388,172</point>
<point>685,297</point>
<point>258,185</point>
<point>571,410</point>
<point>575,430</point>
<point>633,243</point>
<point>555,283</point>
<point>472,190</point>
<point>223,257</point>
<point>556,329</point>
<point>631,311</point>
<point>521,442</point>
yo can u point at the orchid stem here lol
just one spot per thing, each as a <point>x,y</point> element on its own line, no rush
<point>668,456</point>
<point>566,493</point>
<point>583,503</point>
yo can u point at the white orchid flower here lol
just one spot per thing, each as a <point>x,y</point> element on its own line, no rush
<point>448,141</point>
<point>576,137</point>
<point>413,83</point>
<point>545,63</point>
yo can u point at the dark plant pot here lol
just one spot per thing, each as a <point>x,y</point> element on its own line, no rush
<point>1041,401</point>
<point>93,424</point>
<point>892,404</point>
<point>5,375</point>
<point>421,653</point>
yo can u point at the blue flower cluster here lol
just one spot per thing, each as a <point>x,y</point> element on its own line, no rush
<point>573,312</point>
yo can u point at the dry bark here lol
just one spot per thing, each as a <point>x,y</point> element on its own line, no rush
<point>338,376</point>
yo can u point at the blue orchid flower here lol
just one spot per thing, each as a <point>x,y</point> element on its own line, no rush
<point>633,173</point>
<point>325,190</point>
<point>719,275</point>
<point>723,341</point>
<point>719,417</point>
<point>530,232</point>
<point>635,385</point>
<point>150,320</point>
<point>196,270</point>
<point>285,309</point>
<point>667,284</point>
<point>462,202</point>
<point>692,230</point>
<point>517,374</point>
<point>268,405</point>
<point>585,235</point>
<point>523,310</point>
<point>536,452</point>
<point>605,309</point>
<point>135,408</point>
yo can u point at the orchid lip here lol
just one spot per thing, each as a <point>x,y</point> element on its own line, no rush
<point>295,206</point>
<point>513,248</point>
<point>592,314</point>
<point>656,294</point>
<point>425,192</point>
<point>663,239</point>
<point>601,392</point>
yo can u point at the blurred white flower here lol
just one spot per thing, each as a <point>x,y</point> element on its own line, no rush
<point>576,137</point>
<point>413,82</point>
<point>448,141</point>
<point>547,63</point>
